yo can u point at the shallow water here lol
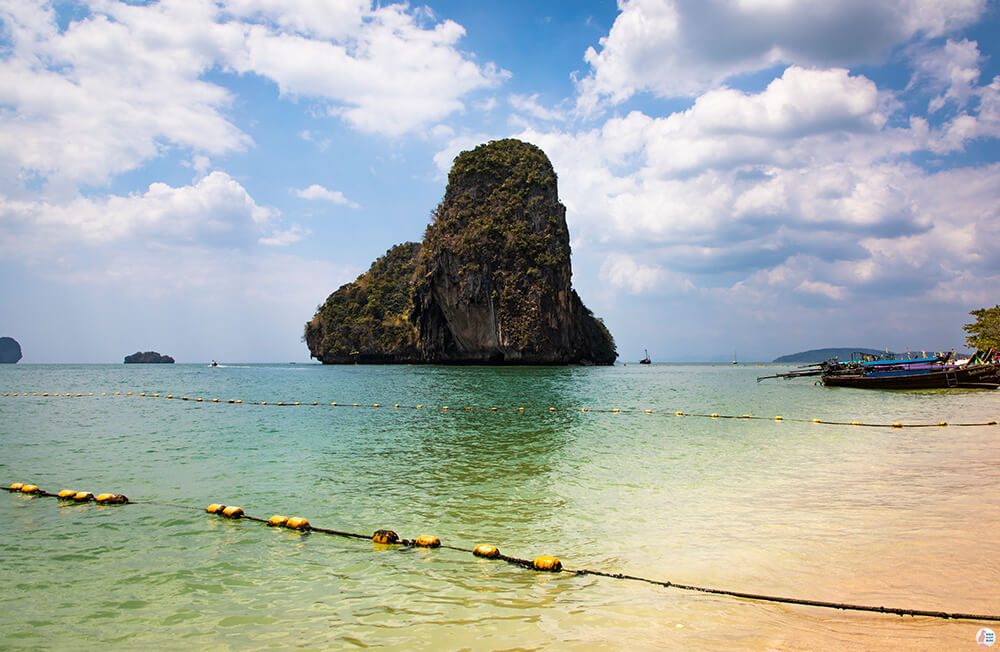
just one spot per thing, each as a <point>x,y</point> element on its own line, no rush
<point>905,518</point>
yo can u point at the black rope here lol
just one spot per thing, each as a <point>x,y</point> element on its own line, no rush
<point>524,563</point>
<point>517,409</point>
<point>797,601</point>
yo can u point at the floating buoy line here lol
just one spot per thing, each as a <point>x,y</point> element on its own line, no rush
<point>492,409</point>
<point>542,563</point>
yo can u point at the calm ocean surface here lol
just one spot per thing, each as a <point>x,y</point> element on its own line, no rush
<point>906,518</point>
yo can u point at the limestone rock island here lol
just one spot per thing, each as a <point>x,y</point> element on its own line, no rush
<point>10,350</point>
<point>489,284</point>
<point>148,357</point>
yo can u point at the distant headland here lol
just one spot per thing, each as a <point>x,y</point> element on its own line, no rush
<point>819,355</point>
<point>489,284</point>
<point>148,357</point>
<point>10,350</point>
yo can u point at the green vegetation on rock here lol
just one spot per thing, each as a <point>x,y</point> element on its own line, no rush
<point>367,320</point>
<point>490,283</point>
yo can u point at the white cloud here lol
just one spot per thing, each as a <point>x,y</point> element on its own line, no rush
<point>110,91</point>
<point>529,104</point>
<point>390,77</point>
<point>321,18</point>
<point>124,84</point>
<point>215,212</point>
<point>682,48</point>
<point>622,271</point>
<point>318,192</point>
<point>953,69</point>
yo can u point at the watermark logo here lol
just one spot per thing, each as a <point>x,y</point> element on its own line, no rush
<point>986,637</point>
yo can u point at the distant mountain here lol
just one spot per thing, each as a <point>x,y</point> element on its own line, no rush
<point>819,355</point>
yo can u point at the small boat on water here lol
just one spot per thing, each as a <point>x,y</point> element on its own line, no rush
<point>645,360</point>
<point>981,371</point>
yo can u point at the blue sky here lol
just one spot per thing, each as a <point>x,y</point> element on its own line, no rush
<point>749,176</point>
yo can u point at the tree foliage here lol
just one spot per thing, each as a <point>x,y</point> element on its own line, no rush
<point>984,332</point>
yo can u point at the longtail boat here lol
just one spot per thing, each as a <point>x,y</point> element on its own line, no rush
<point>981,371</point>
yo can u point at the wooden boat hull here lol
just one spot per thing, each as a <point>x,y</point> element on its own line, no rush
<point>984,376</point>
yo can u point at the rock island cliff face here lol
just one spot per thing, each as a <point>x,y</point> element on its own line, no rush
<point>147,357</point>
<point>10,350</point>
<point>490,284</point>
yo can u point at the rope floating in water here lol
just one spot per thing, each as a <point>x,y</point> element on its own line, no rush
<point>519,410</point>
<point>543,563</point>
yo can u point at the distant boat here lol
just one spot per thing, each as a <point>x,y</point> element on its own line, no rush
<point>645,360</point>
<point>734,358</point>
<point>214,364</point>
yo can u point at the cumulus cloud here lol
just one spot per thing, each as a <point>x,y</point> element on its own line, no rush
<point>390,77</point>
<point>803,191</point>
<point>214,212</point>
<point>110,91</point>
<point>528,104</point>
<point>621,271</point>
<point>124,83</point>
<point>951,70</point>
<point>318,192</point>
<point>684,47</point>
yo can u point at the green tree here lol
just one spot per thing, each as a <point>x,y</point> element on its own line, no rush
<point>985,331</point>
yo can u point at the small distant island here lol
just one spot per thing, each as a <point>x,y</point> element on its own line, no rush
<point>146,357</point>
<point>489,283</point>
<point>10,350</point>
<point>820,355</point>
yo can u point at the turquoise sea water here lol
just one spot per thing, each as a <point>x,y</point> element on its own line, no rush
<point>904,518</point>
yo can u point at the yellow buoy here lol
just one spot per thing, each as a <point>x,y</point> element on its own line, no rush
<point>297,523</point>
<point>855,423</point>
<point>489,552</point>
<point>29,489</point>
<point>385,536</point>
<point>897,425</point>
<point>615,410</point>
<point>215,508</point>
<point>66,494</point>
<point>16,486</point>
<point>715,416</point>
<point>277,520</point>
<point>815,420</point>
<point>778,418</point>
<point>112,499</point>
<point>943,423</point>
<point>83,496</point>
<point>545,563</point>
<point>103,497</point>
<point>427,541</point>
<point>744,416</point>
<point>233,512</point>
